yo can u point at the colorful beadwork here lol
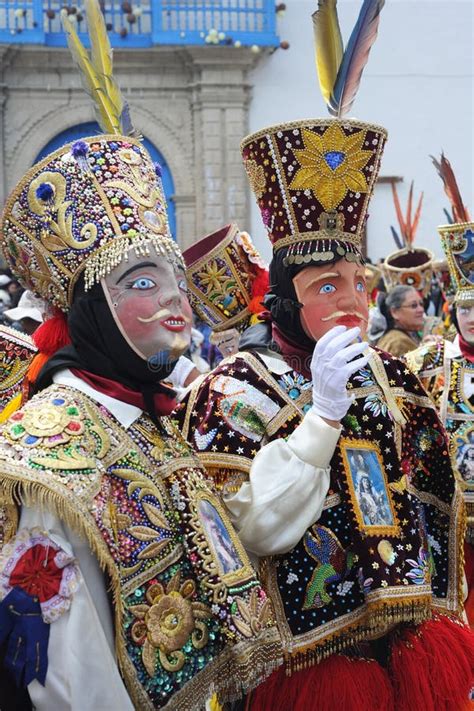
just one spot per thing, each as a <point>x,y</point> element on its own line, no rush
<point>186,594</point>
<point>313,181</point>
<point>81,213</point>
<point>378,555</point>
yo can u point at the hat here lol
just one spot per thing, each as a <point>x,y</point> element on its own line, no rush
<point>457,237</point>
<point>29,306</point>
<point>409,265</point>
<point>313,179</point>
<point>81,209</point>
<point>4,280</point>
<point>222,270</point>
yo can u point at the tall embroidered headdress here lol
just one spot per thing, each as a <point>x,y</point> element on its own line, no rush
<point>409,265</point>
<point>227,278</point>
<point>80,209</point>
<point>313,179</point>
<point>457,238</point>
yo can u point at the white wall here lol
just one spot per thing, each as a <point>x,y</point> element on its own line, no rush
<point>418,83</point>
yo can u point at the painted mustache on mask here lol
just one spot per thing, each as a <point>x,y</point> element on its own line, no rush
<point>338,314</point>
<point>158,316</point>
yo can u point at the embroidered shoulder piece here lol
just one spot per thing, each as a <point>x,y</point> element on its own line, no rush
<point>426,359</point>
<point>60,441</point>
<point>17,350</point>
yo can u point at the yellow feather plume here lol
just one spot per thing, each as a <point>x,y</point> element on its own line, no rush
<point>101,53</point>
<point>97,71</point>
<point>328,43</point>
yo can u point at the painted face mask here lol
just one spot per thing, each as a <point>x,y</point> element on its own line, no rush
<point>332,294</point>
<point>147,297</point>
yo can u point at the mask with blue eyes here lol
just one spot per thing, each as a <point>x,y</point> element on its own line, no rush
<point>147,295</point>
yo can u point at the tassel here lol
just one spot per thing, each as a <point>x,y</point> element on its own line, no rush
<point>338,682</point>
<point>260,287</point>
<point>52,335</point>
<point>433,668</point>
<point>35,367</point>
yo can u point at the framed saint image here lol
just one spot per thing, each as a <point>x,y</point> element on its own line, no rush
<point>226,549</point>
<point>462,452</point>
<point>368,487</point>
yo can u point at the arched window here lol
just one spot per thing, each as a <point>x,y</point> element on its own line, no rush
<point>91,128</point>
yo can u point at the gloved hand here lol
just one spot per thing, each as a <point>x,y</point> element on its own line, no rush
<point>331,368</point>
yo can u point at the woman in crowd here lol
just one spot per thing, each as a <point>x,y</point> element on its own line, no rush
<point>403,313</point>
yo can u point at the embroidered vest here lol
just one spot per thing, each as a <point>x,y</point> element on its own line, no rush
<point>450,382</point>
<point>190,615</point>
<point>386,547</point>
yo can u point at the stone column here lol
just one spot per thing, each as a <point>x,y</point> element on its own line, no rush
<point>220,99</point>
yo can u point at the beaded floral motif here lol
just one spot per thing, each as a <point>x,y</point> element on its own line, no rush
<point>331,165</point>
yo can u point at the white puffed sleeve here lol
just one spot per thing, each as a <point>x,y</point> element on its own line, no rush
<point>82,669</point>
<point>288,483</point>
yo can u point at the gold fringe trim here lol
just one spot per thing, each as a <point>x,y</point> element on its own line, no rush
<point>379,619</point>
<point>105,259</point>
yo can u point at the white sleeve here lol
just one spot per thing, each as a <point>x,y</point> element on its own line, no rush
<point>82,670</point>
<point>288,483</point>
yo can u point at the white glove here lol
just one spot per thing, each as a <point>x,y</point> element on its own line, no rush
<point>332,365</point>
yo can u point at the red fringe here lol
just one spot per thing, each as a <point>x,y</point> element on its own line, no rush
<point>432,667</point>
<point>338,683</point>
<point>52,335</point>
<point>469,570</point>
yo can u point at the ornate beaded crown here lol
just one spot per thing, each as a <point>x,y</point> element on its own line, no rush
<point>79,211</point>
<point>313,181</point>
<point>458,244</point>
<point>410,266</point>
<point>221,270</point>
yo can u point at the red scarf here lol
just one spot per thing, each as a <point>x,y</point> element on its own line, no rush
<point>164,403</point>
<point>467,349</point>
<point>295,356</point>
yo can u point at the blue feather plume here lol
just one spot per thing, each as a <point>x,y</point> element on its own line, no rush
<point>355,58</point>
<point>448,216</point>
<point>396,238</point>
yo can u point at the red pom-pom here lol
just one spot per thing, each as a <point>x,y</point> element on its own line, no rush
<point>338,682</point>
<point>52,335</point>
<point>433,667</point>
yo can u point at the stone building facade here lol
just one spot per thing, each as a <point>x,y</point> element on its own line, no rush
<point>190,102</point>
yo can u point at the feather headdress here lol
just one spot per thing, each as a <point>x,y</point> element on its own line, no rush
<point>339,70</point>
<point>408,224</point>
<point>112,110</point>
<point>446,173</point>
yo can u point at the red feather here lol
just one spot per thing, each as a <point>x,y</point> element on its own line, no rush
<point>408,225</point>
<point>451,189</point>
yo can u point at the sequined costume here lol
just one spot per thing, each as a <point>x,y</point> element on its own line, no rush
<point>356,518</point>
<point>100,493</point>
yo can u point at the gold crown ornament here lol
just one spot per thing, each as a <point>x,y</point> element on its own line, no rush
<point>82,208</point>
<point>223,271</point>
<point>409,265</point>
<point>458,245</point>
<point>457,237</point>
<point>313,179</point>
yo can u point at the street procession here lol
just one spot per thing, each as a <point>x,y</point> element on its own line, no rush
<point>236,355</point>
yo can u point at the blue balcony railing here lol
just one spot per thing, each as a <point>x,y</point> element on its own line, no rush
<point>144,23</point>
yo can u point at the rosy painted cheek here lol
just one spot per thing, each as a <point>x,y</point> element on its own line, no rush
<point>131,309</point>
